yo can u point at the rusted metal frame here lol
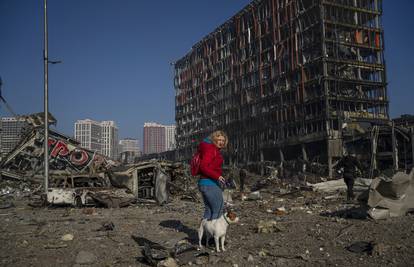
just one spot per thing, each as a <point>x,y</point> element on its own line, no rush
<point>369,11</point>
<point>412,146</point>
<point>357,63</point>
<point>394,148</point>
<point>352,26</point>
<point>278,37</point>
<point>273,29</point>
<point>257,39</point>
<point>273,33</point>
<point>295,45</point>
<point>325,86</point>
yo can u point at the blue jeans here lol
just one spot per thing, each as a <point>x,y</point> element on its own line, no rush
<point>213,201</point>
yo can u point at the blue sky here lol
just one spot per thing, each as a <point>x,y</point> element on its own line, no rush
<point>116,56</point>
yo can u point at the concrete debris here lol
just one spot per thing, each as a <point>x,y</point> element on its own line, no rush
<point>379,249</point>
<point>272,230</point>
<point>89,211</point>
<point>202,260</point>
<point>371,248</point>
<point>169,262</point>
<point>85,257</point>
<point>333,186</point>
<point>391,197</point>
<point>254,195</point>
<point>281,211</point>
<point>227,197</point>
<point>81,177</point>
<point>112,198</point>
<point>268,227</point>
<point>182,253</point>
<point>107,226</point>
<point>154,254</point>
<point>263,253</point>
<point>378,214</point>
<point>162,180</point>
<point>6,205</point>
<point>67,237</point>
<point>53,246</point>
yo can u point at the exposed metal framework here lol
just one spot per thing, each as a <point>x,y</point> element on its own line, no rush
<point>282,77</point>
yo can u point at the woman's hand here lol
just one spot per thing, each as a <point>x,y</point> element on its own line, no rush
<point>222,180</point>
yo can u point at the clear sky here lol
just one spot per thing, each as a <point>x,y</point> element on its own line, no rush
<point>116,56</point>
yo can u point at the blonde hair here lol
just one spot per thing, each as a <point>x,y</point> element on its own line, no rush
<point>213,136</point>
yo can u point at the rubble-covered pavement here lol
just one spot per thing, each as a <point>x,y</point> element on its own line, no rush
<point>282,225</point>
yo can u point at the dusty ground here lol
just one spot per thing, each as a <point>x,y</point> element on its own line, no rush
<point>314,232</point>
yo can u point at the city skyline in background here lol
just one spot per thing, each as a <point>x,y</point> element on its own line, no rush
<point>98,136</point>
<point>102,136</point>
<point>117,57</point>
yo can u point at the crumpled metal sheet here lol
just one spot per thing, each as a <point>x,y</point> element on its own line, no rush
<point>66,156</point>
<point>395,195</point>
<point>161,186</point>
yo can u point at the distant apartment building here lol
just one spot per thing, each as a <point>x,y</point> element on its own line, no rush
<point>88,133</point>
<point>169,137</point>
<point>98,136</point>
<point>128,150</point>
<point>11,131</point>
<point>154,138</point>
<point>158,138</point>
<point>109,139</point>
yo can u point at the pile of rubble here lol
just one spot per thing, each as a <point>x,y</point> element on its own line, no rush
<point>81,177</point>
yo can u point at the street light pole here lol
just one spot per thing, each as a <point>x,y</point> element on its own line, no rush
<point>46,104</point>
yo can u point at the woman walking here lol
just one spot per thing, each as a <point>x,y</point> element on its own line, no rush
<point>211,180</point>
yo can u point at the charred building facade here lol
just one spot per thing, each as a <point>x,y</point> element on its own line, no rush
<point>282,78</point>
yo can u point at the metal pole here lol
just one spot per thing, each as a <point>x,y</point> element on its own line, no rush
<point>412,147</point>
<point>46,104</point>
<point>394,148</point>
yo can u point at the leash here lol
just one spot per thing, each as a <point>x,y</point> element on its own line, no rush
<point>225,201</point>
<point>225,218</point>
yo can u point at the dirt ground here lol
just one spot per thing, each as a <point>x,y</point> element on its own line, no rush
<point>314,231</point>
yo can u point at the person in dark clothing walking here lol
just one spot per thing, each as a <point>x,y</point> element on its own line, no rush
<point>349,163</point>
<point>242,175</point>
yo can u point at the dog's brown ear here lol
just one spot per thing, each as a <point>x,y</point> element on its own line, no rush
<point>231,215</point>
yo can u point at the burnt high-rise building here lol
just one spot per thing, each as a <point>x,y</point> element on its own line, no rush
<point>282,78</point>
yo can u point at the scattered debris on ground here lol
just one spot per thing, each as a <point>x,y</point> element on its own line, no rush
<point>281,223</point>
<point>101,213</point>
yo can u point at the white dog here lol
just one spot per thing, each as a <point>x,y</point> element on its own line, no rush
<point>216,228</point>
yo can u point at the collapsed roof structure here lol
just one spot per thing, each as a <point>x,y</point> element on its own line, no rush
<point>81,171</point>
<point>66,156</point>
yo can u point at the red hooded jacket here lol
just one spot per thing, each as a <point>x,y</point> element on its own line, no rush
<point>211,160</point>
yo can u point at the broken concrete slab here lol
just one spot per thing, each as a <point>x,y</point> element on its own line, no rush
<point>168,262</point>
<point>161,186</point>
<point>395,195</point>
<point>332,186</point>
<point>268,227</point>
<point>85,257</point>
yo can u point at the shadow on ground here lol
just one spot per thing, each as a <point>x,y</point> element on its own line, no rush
<point>359,213</point>
<point>192,235</point>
